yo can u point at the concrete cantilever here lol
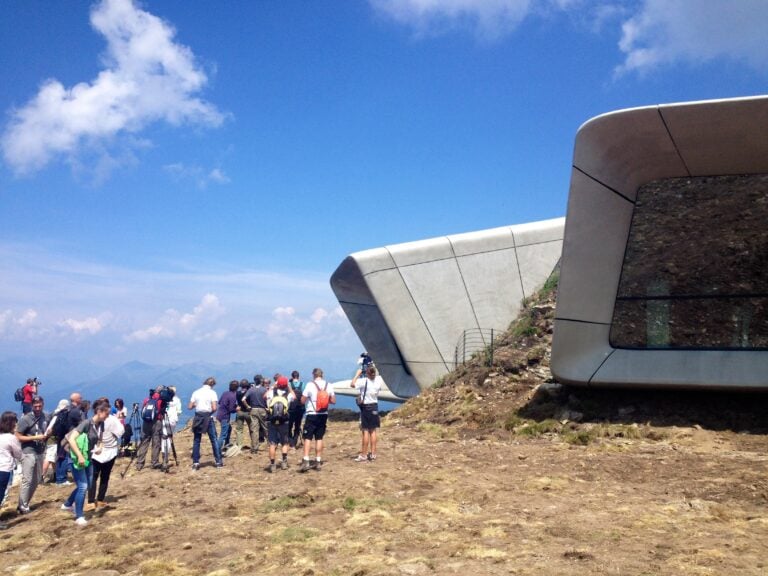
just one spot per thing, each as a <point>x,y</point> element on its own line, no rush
<point>410,303</point>
<point>616,156</point>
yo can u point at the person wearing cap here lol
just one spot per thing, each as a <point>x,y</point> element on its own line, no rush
<point>277,427</point>
<point>204,402</point>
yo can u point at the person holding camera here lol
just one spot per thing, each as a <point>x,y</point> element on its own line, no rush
<point>29,390</point>
<point>370,421</point>
<point>31,432</point>
<point>151,429</point>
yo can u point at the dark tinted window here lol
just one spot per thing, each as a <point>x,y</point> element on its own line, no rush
<point>695,272</point>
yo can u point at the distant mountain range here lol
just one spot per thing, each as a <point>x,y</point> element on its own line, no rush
<point>132,381</point>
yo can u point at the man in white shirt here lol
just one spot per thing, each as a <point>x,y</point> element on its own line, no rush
<point>204,402</point>
<point>316,417</point>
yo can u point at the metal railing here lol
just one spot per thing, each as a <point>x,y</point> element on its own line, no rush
<point>475,341</point>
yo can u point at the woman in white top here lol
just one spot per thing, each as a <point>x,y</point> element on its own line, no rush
<point>10,451</point>
<point>370,421</point>
<point>103,459</point>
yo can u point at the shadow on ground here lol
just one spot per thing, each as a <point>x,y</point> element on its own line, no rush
<point>736,411</point>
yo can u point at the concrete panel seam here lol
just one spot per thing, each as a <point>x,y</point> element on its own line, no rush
<point>672,139</point>
<point>424,322</point>
<point>603,184</point>
<point>358,303</point>
<point>601,365</point>
<point>517,265</point>
<point>582,321</point>
<point>464,283</point>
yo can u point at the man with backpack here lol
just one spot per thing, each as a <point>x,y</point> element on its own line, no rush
<point>278,400</point>
<point>152,413</point>
<point>318,394</point>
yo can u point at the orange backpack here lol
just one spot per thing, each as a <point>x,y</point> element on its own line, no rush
<point>323,398</point>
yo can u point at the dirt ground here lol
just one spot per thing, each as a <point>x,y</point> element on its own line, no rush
<point>694,501</point>
<point>495,470</point>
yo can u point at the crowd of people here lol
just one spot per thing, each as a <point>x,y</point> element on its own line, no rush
<point>286,413</point>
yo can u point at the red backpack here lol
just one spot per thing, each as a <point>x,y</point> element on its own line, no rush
<point>323,398</point>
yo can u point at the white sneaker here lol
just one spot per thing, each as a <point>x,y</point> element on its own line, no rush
<point>81,521</point>
<point>70,508</point>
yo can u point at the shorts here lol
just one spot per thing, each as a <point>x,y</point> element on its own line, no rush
<point>51,452</point>
<point>369,417</point>
<point>314,426</point>
<point>277,433</point>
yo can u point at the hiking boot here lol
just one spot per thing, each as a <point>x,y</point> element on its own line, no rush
<point>89,506</point>
<point>284,465</point>
<point>317,465</point>
<point>271,468</point>
<point>304,466</point>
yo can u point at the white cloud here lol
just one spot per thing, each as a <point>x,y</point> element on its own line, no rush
<point>192,325</point>
<point>147,78</point>
<point>201,177</point>
<point>490,18</point>
<point>321,324</point>
<point>668,31</point>
<point>91,325</point>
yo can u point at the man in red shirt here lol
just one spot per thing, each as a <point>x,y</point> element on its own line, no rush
<point>30,391</point>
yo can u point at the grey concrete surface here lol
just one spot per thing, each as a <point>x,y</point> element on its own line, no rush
<point>410,303</point>
<point>614,155</point>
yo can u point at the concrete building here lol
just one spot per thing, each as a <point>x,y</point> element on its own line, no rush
<point>664,278</point>
<point>411,303</point>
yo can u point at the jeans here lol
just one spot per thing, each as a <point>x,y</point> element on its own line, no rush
<point>83,479</point>
<point>225,429</point>
<point>6,478</point>
<point>214,443</point>
<point>62,467</point>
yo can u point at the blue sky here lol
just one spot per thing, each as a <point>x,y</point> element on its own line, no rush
<point>179,179</point>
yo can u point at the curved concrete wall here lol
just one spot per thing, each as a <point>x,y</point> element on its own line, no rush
<point>410,303</point>
<point>614,155</point>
